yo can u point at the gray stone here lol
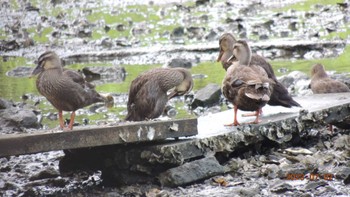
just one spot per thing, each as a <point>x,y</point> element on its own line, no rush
<point>179,62</point>
<point>5,103</point>
<point>207,96</point>
<point>191,172</point>
<point>342,173</point>
<point>18,118</point>
<point>44,174</point>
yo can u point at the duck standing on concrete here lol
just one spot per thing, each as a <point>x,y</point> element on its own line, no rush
<point>148,92</point>
<point>321,83</point>
<point>247,87</point>
<point>280,95</point>
<point>65,89</point>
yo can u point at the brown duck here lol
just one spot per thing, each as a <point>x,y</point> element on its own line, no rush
<point>321,83</point>
<point>148,92</point>
<point>280,95</point>
<point>65,89</point>
<point>247,87</point>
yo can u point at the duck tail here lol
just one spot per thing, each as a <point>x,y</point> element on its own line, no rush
<point>281,97</point>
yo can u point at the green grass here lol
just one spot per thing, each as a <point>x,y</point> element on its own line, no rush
<point>341,64</point>
<point>307,5</point>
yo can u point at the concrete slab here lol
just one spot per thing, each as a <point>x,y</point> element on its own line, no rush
<point>81,137</point>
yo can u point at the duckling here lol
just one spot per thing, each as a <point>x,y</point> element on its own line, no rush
<point>280,95</point>
<point>321,83</point>
<point>247,87</point>
<point>64,89</point>
<point>148,92</point>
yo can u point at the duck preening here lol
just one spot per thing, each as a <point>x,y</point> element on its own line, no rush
<point>148,92</point>
<point>246,86</point>
<point>280,95</point>
<point>65,89</point>
<point>321,83</point>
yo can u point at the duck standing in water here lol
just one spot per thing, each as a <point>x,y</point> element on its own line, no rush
<point>321,83</point>
<point>65,89</point>
<point>280,95</point>
<point>148,92</point>
<point>246,86</point>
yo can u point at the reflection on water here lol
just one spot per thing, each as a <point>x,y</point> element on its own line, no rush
<point>17,85</point>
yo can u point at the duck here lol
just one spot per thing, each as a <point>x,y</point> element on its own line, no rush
<point>65,89</point>
<point>321,83</point>
<point>247,87</point>
<point>148,93</point>
<point>280,95</point>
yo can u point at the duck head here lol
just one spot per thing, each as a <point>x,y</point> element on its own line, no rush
<point>242,52</point>
<point>46,61</point>
<point>185,86</point>
<point>226,43</point>
<point>318,70</point>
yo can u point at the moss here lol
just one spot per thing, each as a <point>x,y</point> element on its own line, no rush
<point>340,64</point>
<point>307,5</point>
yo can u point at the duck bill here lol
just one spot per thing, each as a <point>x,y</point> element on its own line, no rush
<point>172,94</point>
<point>220,55</point>
<point>38,69</point>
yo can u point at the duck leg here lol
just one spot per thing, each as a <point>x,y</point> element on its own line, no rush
<point>235,122</point>
<point>252,114</point>
<point>71,122</point>
<point>60,119</point>
<point>257,120</point>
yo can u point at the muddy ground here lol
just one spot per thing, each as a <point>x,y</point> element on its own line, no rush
<point>256,171</point>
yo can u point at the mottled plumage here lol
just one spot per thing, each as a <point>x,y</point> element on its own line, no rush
<point>247,87</point>
<point>65,89</point>
<point>321,83</point>
<point>148,92</point>
<point>280,95</point>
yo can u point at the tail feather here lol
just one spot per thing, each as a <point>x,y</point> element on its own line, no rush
<point>280,96</point>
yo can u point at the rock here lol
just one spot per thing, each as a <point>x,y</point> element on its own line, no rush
<point>342,143</point>
<point>14,117</point>
<point>312,185</point>
<point>342,173</point>
<point>179,62</point>
<point>207,96</point>
<point>178,32</point>
<point>21,71</point>
<point>5,104</point>
<point>281,187</point>
<point>191,172</point>
<point>104,74</point>
<point>44,174</point>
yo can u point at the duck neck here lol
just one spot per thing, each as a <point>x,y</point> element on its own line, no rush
<point>244,55</point>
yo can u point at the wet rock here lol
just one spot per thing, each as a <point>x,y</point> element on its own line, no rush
<point>281,187</point>
<point>207,96</point>
<point>211,36</point>
<point>46,173</point>
<point>195,32</point>
<point>179,62</point>
<point>191,172</point>
<point>84,33</point>
<point>21,71</point>
<point>18,118</point>
<point>8,45</point>
<point>177,32</point>
<point>202,2</point>
<point>342,143</point>
<point>313,185</point>
<point>342,173</point>
<point>5,104</point>
<point>104,74</point>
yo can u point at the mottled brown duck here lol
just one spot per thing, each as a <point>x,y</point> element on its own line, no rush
<point>247,87</point>
<point>148,92</point>
<point>280,95</point>
<point>321,83</point>
<point>65,89</point>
